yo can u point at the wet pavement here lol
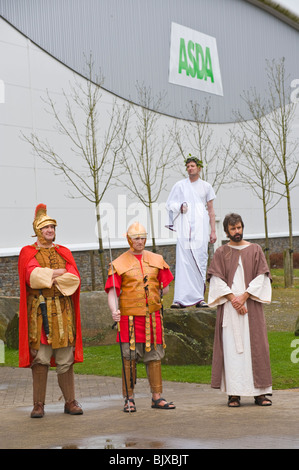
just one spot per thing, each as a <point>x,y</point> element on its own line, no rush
<point>201,419</point>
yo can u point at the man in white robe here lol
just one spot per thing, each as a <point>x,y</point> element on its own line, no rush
<point>239,272</point>
<point>190,208</point>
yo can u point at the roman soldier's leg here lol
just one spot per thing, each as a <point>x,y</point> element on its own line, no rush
<point>152,360</point>
<point>129,359</point>
<point>66,382</point>
<point>66,379</point>
<point>128,377</point>
<point>40,366</point>
<point>39,376</point>
<point>154,374</point>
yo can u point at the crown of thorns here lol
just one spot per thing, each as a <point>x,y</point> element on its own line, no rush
<point>193,159</point>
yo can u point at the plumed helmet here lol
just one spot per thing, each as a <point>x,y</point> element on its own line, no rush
<point>136,230</point>
<point>41,219</point>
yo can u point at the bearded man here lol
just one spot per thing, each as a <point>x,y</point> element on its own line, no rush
<point>240,283</point>
<point>49,320</point>
<point>191,211</point>
<point>135,281</point>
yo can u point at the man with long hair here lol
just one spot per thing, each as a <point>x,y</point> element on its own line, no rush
<point>240,282</point>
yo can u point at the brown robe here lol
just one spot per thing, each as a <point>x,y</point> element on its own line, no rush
<point>224,265</point>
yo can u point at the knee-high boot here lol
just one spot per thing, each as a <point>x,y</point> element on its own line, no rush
<point>129,377</point>
<point>39,376</point>
<point>154,375</point>
<point>66,382</point>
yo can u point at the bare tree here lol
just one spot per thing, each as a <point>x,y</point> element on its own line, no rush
<point>148,155</point>
<point>196,137</point>
<point>251,162</point>
<point>276,128</point>
<point>95,142</point>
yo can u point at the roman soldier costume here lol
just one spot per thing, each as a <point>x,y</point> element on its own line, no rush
<point>49,318</point>
<point>137,279</point>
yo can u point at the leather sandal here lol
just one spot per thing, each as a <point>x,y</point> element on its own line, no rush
<point>129,406</point>
<point>201,304</point>
<point>166,406</point>
<point>262,400</point>
<point>233,401</point>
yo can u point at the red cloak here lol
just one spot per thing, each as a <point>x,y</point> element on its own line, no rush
<point>26,254</point>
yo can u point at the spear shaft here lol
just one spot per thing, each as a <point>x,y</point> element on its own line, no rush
<point>118,328</point>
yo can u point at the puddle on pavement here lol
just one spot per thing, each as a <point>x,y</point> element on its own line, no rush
<point>122,442</point>
<point>101,442</point>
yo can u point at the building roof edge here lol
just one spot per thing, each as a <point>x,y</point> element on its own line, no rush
<point>280,12</point>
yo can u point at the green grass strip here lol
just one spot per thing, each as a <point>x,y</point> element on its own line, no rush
<point>106,361</point>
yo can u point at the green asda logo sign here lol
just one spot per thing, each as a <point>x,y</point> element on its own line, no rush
<point>194,61</point>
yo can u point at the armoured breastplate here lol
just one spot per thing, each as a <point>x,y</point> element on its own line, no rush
<point>140,290</point>
<point>140,285</point>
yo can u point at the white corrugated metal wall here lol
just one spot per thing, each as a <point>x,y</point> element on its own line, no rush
<point>27,71</point>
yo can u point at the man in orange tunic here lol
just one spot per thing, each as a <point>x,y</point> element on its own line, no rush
<point>49,276</point>
<point>135,279</point>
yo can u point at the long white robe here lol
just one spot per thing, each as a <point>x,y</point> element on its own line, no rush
<point>192,238</point>
<point>237,378</point>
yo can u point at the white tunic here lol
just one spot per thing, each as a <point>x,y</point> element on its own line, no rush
<point>192,238</point>
<point>237,378</point>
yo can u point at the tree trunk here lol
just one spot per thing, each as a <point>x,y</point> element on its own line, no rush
<point>290,274</point>
<point>287,266</point>
<point>152,228</point>
<point>266,249</point>
<point>101,250</point>
<point>92,271</point>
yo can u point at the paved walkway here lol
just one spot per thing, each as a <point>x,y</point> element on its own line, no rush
<point>201,419</point>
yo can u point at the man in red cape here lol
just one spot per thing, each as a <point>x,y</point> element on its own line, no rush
<point>48,273</point>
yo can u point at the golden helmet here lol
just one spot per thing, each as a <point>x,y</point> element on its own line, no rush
<point>136,230</point>
<point>41,219</point>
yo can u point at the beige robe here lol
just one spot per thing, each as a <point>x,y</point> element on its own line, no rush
<point>224,266</point>
<point>237,377</point>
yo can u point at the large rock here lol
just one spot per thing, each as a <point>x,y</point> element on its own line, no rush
<point>9,307</point>
<point>96,319</point>
<point>189,332</point>
<point>189,336</point>
<point>12,333</point>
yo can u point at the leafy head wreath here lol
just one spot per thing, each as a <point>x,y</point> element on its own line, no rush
<point>193,159</point>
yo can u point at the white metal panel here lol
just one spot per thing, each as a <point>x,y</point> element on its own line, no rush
<point>129,40</point>
<point>26,181</point>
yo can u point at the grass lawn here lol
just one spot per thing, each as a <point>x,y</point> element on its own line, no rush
<point>105,360</point>
<point>284,354</point>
